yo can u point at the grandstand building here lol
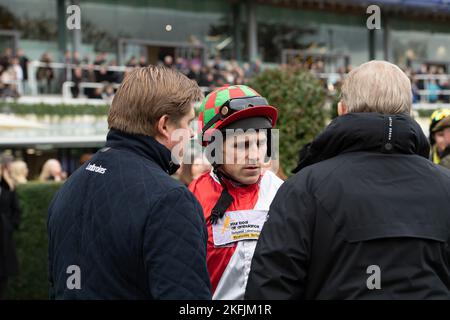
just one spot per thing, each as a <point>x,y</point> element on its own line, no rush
<point>239,29</point>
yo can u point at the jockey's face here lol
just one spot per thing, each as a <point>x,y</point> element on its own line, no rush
<point>244,155</point>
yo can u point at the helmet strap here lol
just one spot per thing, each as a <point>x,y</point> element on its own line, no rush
<point>224,201</point>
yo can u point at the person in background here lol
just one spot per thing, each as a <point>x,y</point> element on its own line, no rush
<point>17,69</point>
<point>86,59</point>
<point>132,63</point>
<point>113,76</point>
<point>444,83</point>
<point>85,157</point>
<point>415,89</point>
<point>23,61</point>
<point>76,59</point>
<point>67,58</point>
<point>52,171</point>
<point>195,73</point>
<point>256,67</point>
<point>8,83</point>
<point>102,74</point>
<point>108,93</point>
<point>44,74</point>
<point>275,166</point>
<point>423,70</point>
<point>19,172</point>
<point>5,58</point>
<point>9,222</point>
<point>89,74</point>
<point>440,137</point>
<point>96,94</point>
<point>181,65</point>
<point>100,59</point>
<point>194,169</point>
<point>77,78</point>
<point>168,61</point>
<point>433,90</point>
<point>143,61</point>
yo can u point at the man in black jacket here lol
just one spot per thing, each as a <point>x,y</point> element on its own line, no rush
<point>368,215</point>
<point>121,227</point>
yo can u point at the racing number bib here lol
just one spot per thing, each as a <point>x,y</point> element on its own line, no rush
<point>239,225</point>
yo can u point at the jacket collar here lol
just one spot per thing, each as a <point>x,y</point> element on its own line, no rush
<point>144,146</point>
<point>371,132</point>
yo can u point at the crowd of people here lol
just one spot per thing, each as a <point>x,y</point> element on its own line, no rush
<point>210,75</point>
<point>429,82</point>
<point>78,70</point>
<point>13,73</point>
<point>14,172</point>
<point>19,173</point>
<point>213,73</point>
<point>105,71</point>
<point>434,86</point>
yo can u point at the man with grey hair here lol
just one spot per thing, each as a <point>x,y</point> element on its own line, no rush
<point>367,214</point>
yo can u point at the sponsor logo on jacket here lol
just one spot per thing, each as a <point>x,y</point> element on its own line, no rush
<point>94,168</point>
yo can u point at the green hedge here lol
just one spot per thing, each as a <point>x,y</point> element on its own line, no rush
<point>31,242</point>
<point>425,113</point>
<point>58,110</point>
<point>300,98</point>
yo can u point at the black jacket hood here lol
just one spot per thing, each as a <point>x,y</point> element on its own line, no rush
<point>371,132</point>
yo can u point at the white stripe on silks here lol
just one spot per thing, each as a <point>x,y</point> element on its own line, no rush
<point>268,188</point>
<point>233,281</point>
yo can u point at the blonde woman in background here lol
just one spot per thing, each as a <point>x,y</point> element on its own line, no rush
<point>52,171</point>
<point>191,171</point>
<point>19,172</point>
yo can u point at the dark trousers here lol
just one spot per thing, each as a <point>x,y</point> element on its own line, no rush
<point>3,285</point>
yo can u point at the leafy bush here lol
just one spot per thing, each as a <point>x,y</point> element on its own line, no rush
<point>31,242</point>
<point>425,113</point>
<point>334,104</point>
<point>300,99</point>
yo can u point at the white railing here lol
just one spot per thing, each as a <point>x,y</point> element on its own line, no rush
<point>424,94</point>
<point>33,66</point>
<point>329,78</point>
<point>67,85</point>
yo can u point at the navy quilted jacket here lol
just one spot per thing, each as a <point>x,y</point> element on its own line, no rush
<point>122,228</point>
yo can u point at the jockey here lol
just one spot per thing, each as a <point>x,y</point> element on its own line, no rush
<point>237,193</point>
